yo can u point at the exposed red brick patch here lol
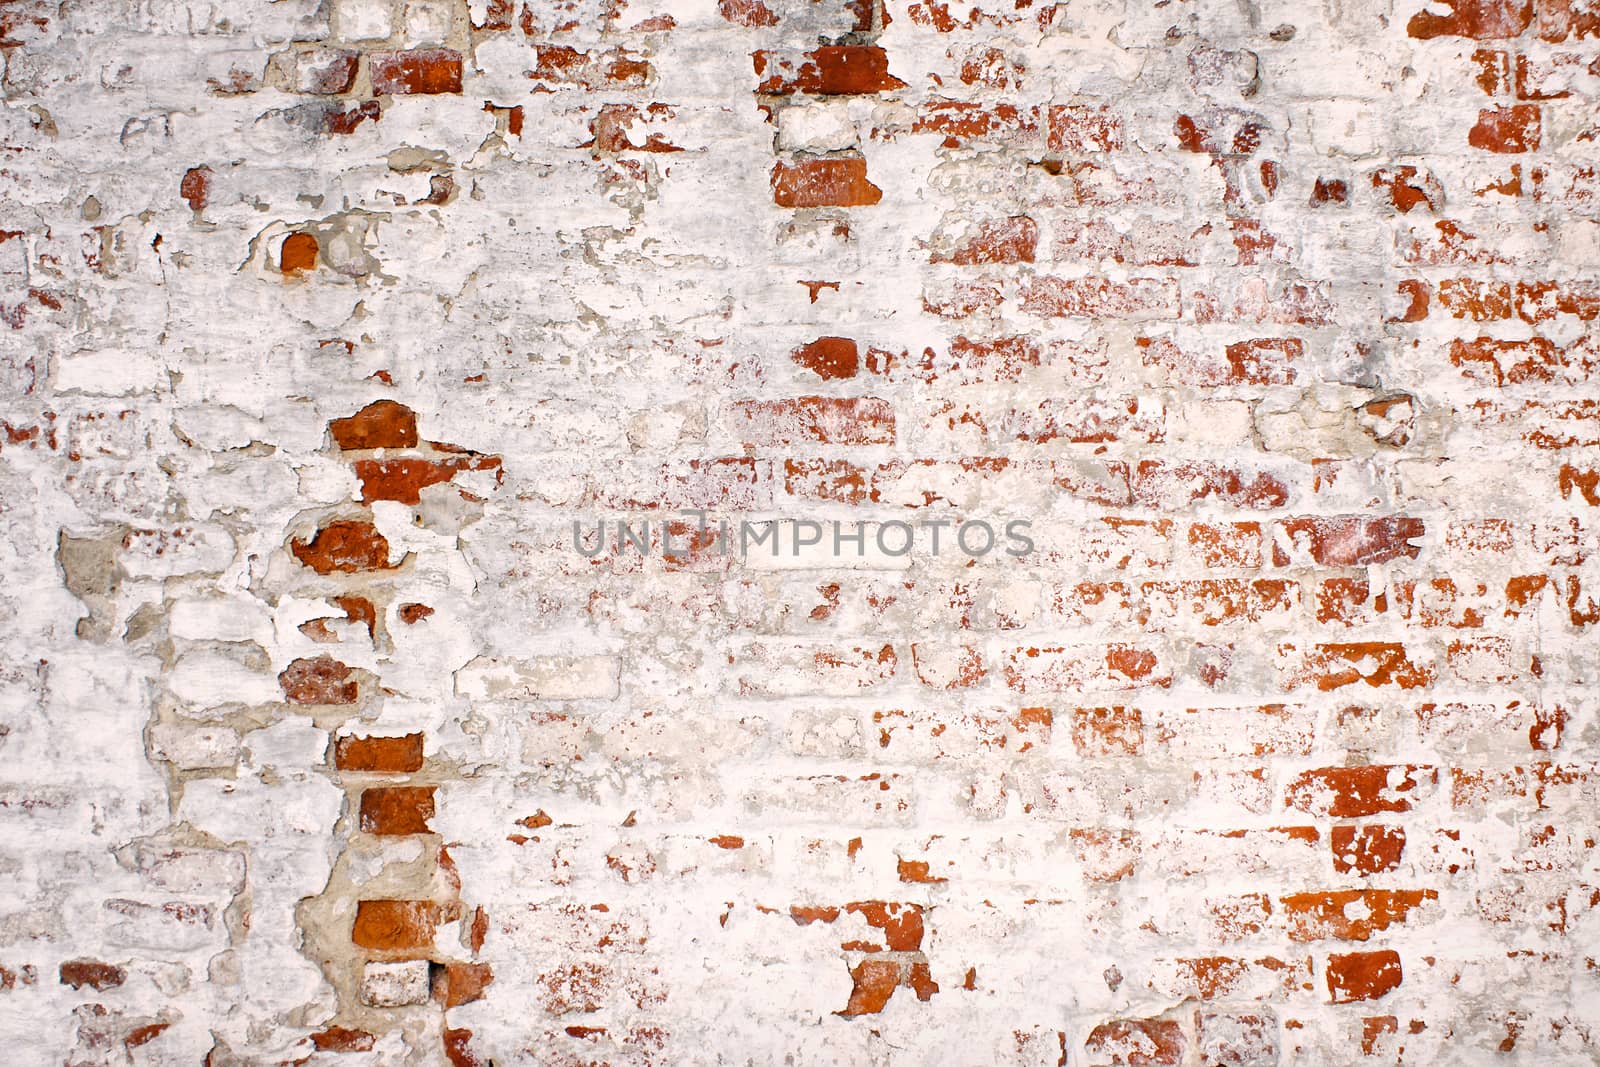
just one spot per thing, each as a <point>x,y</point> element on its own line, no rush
<point>1408,187</point>
<point>1330,191</point>
<point>829,358</point>
<point>92,973</point>
<point>327,72</point>
<point>397,810</point>
<point>143,1035</point>
<point>411,614</point>
<point>834,182</point>
<point>612,125</point>
<point>358,609</point>
<point>833,70</point>
<point>917,871</point>
<point>396,925</point>
<point>1011,240</point>
<point>1367,849</point>
<point>454,984</point>
<point>1479,19</point>
<point>382,755</point>
<point>1350,914</point>
<point>1585,483</point>
<point>1349,541</point>
<point>1373,663</point>
<point>338,122</point>
<point>875,982</point>
<point>1358,976</point>
<point>1138,1041</point>
<point>403,480</point>
<point>342,1039</point>
<point>196,187</point>
<point>419,71</point>
<point>1507,129</point>
<point>323,680</point>
<point>961,122</point>
<point>1355,792</point>
<point>458,1049</point>
<point>344,546</point>
<point>751,13</point>
<point>381,424</point>
<point>298,253</point>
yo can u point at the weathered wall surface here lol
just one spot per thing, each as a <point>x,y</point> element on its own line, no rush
<point>323,321</point>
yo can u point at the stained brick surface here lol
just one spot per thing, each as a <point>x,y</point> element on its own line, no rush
<point>1261,729</point>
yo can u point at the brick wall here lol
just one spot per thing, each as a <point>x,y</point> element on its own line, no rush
<point>324,321</point>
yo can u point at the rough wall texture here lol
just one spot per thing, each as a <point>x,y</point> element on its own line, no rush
<point>321,741</point>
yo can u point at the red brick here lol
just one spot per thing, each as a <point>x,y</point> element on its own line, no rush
<point>396,810</point>
<point>456,983</point>
<point>1137,1041</point>
<point>1355,792</point>
<point>1467,298</point>
<point>613,129</point>
<point>1264,361</point>
<point>960,122</point>
<point>1350,914</point>
<point>342,1039</point>
<point>873,983</point>
<point>1478,19</point>
<point>1221,132</point>
<point>196,187</point>
<point>336,121</point>
<point>403,480</point>
<point>833,70</point>
<point>381,755</point>
<point>1507,129</point>
<point>1407,187</point>
<point>344,546</point>
<point>1350,541</point>
<point>419,71</point>
<point>1538,302</point>
<point>1065,669</point>
<point>836,358</point>
<point>1375,663</point>
<point>1113,731</point>
<point>1011,240</point>
<point>323,680</point>
<point>1367,849</point>
<point>1357,976</point>
<point>298,253</point>
<point>396,925</point>
<point>839,181</point>
<point>1164,486</point>
<point>92,973</point>
<point>1488,360</point>
<point>1330,191</point>
<point>1584,483</point>
<point>327,72</point>
<point>747,13</point>
<point>458,1048</point>
<point>1557,20</point>
<point>1235,544</point>
<point>381,424</point>
<point>555,64</point>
